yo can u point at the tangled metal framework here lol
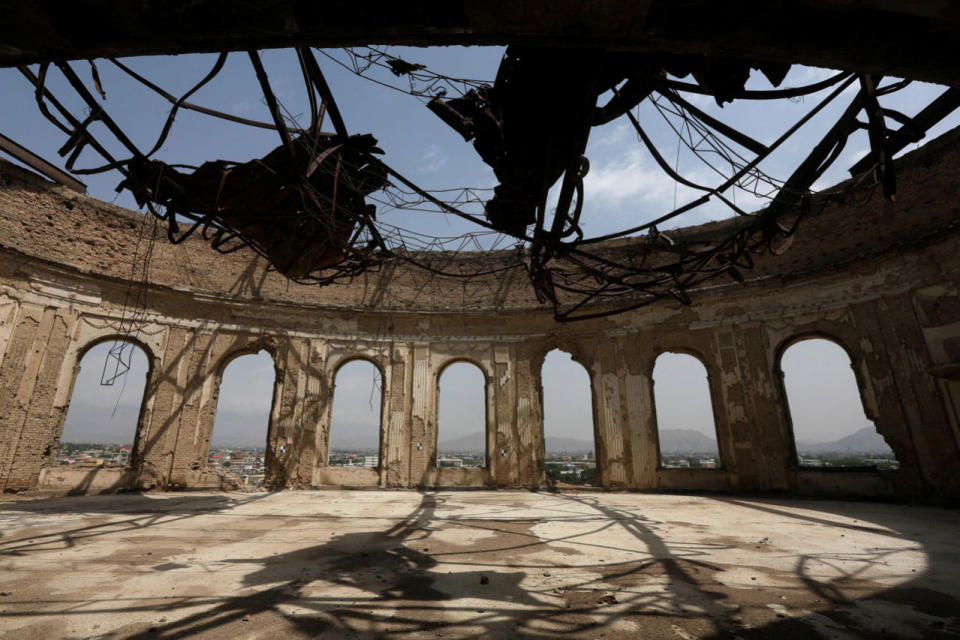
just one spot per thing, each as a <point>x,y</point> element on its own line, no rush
<point>304,205</point>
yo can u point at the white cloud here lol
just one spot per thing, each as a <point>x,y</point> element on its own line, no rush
<point>632,189</point>
<point>433,159</point>
<point>610,135</point>
<point>630,176</point>
<point>800,75</point>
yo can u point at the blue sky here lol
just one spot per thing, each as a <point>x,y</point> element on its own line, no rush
<point>624,187</point>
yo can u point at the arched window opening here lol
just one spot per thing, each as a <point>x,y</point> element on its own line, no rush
<point>685,422</point>
<point>240,428</point>
<point>101,422</point>
<point>830,428</point>
<point>569,445</point>
<point>462,417</point>
<point>355,417</point>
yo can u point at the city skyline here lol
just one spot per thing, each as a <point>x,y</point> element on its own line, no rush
<point>824,406</point>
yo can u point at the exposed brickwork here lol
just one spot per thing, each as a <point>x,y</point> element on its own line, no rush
<point>57,225</point>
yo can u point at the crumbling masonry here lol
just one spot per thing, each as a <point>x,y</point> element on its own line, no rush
<point>881,279</point>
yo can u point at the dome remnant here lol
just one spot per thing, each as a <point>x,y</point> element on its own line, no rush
<point>303,205</point>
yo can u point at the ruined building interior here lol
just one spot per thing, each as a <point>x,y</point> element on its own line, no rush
<point>825,205</point>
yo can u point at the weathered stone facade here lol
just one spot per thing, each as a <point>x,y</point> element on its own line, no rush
<point>881,279</point>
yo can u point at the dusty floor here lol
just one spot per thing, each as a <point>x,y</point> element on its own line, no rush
<point>332,564</point>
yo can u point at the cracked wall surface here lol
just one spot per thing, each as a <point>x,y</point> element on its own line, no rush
<point>881,279</point>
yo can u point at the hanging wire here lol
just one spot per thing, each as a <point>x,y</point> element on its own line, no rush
<point>580,277</point>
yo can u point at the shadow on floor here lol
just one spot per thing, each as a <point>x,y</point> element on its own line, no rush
<point>672,592</point>
<point>144,511</point>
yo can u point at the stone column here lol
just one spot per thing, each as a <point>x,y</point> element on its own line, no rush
<point>639,412</point>
<point>395,432</point>
<point>313,400</point>
<point>35,340</point>
<point>938,311</point>
<point>515,450</point>
<point>626,431</point>
<point>182,411</point>
<point>726,449</point>
<point>504,449</point>
<point>9,308</point>
<point>300,394</point>
<point>422,390</point>
<point>751,407</point>
<point>526,393</point>
<point>911,410</point>
<point>604,363</point>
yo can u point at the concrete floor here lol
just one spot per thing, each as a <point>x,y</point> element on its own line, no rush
<point>504,564</point>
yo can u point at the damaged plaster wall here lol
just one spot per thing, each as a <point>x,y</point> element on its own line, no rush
<point>880,279</point>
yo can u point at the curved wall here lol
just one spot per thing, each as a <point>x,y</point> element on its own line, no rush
<point>883,279</point>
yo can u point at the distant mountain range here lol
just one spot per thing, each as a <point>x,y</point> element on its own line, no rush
<point>680,441</point>
<point>676,441</point>
<point>470,443</point>
<point>94,424</point>
<point>866,440</point>
<point>672,441</point>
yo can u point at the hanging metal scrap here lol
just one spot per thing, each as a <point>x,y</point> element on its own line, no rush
<point>531,126</point>
<point>301,205</point>
<point>308,204</point>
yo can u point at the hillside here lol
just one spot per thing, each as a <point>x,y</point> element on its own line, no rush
<point>672,442</point>
<point>676,441</point>
<point>866,440</point>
